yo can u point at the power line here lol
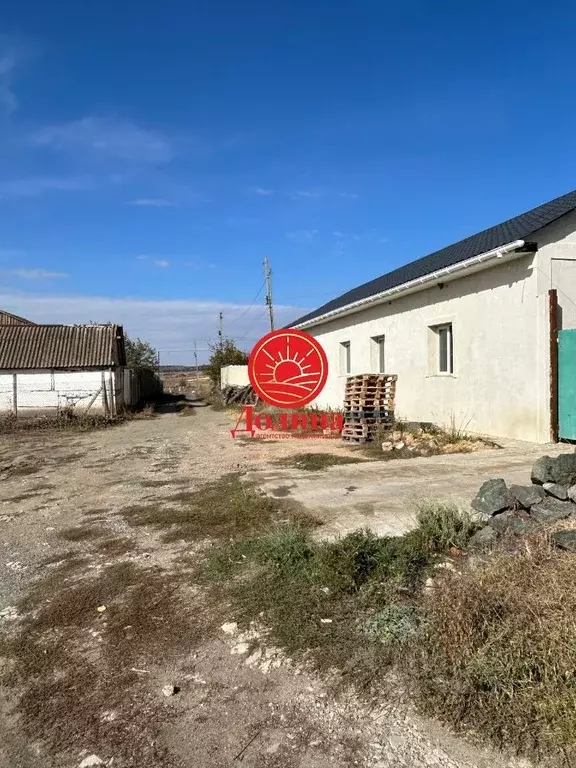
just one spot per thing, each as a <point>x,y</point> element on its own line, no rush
<point>256,320</point>
<point>253,302</point>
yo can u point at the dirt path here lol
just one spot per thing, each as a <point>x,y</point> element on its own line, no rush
<point>355,496</point>
<point>111,616</point>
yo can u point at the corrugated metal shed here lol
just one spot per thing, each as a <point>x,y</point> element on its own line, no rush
<point>60,347</point>
<point>519,228</point>
<point>7,318</point>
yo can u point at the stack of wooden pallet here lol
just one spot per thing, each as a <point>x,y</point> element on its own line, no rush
<point>368,406</point>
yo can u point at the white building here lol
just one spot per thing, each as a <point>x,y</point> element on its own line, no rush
<point>51,367</point>
<point>469,330</point>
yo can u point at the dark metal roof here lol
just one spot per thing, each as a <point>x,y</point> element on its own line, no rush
<point>7,318</point>
<point>518,228</point>
<point>63,347</point>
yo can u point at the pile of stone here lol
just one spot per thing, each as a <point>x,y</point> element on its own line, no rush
<point>524,509</point>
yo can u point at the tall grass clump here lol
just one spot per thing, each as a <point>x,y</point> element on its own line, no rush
<point>497,652</point>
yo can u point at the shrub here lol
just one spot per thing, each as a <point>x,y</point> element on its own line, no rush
<point>498,655</point>
<point>442,526</point>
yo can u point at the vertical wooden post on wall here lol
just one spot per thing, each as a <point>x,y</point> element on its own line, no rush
<point>112,393</point>
<point>15,394</point>
<point>105,396</point>
<point>553,323</point>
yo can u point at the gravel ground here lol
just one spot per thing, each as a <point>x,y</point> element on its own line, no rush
<point>238,701</point>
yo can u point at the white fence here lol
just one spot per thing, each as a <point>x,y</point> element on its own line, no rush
<point>94,391</point>
<point>234,376</point>
<point>22,393</point>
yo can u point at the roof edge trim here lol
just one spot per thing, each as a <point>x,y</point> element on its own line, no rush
<point>420,283</point>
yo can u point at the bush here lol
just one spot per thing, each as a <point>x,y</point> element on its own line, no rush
<point>345,604</point>
<point>442,526</point>
<point>498,651</point>
<point>226,353</point>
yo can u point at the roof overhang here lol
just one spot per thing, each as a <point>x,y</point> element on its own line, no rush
<point>499,255</point>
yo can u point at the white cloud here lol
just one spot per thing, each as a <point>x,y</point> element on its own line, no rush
<point>302,235</point>
<point>153,202</point>
<point>168,324</point>
<point>349,195</point>
<point>307,193</point>
<point>262,191</point>
<point>37,274</point>
<point>13,53</point>
<point>32,186</point>
<point>110,137</point>
<point>163,263</point>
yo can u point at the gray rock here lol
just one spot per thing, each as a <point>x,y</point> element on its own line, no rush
<point>565,540</point>
<point>528,495</point>
<point>558,491</point>
<point>542,471</point>
<point>519,526</point>
<point>507,521</point>
<point>564,469</point>
<point>170,690</point>
<point>484,539</point>
<point>500,521</point>
<point>90,761</point>
<point>493,497</point>
<point>572,493</point>
<point>551,509</point>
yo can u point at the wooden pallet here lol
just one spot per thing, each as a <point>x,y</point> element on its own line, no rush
<point>359,430</point>
<point>382,405</point>
<point>351,419</point>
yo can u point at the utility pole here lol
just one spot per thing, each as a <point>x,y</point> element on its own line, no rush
<point>196,359</point>
<point>220,337</point>
<point>268,274</point>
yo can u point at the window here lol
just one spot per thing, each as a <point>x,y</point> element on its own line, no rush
<point>345,358</point>
<point>377,362</point>
<point>445,348</point>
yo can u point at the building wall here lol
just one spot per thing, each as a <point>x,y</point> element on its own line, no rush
<point>501,381</point>
<point>45,390</point>
<point>234,376</point>
<point>497,349</point>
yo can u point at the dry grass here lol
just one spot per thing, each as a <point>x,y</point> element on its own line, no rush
<point>425,440</point>
<point>313,462</point>
<point>498,655</point>
<point>80,533</point>
<point>226,509</point>
<point>78,693</point>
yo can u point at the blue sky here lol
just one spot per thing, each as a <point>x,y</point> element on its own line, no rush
<point>150,156</point>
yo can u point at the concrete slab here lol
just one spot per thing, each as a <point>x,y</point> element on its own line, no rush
<point>384,495</point>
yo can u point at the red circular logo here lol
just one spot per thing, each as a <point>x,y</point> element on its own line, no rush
<point>288,368</point>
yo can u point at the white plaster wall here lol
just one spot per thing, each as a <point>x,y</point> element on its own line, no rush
<point>556,266</point>
<point>496,316</point>
<point>42,390</point>
<point>234,376</point>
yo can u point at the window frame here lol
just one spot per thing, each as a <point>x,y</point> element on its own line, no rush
<point>448,353</point>
<point>378,353</point>
<point>345,358</point>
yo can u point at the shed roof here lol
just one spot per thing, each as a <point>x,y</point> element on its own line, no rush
<point>518,228</point>
<point>7,318</point>
<point>64,347</point>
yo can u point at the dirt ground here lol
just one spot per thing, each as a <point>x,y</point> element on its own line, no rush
<point>108,654</point>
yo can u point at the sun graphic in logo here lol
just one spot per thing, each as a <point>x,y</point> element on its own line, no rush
<point>288,368</point>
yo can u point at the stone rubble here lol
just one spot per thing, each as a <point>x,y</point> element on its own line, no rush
<point>522,509</point>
